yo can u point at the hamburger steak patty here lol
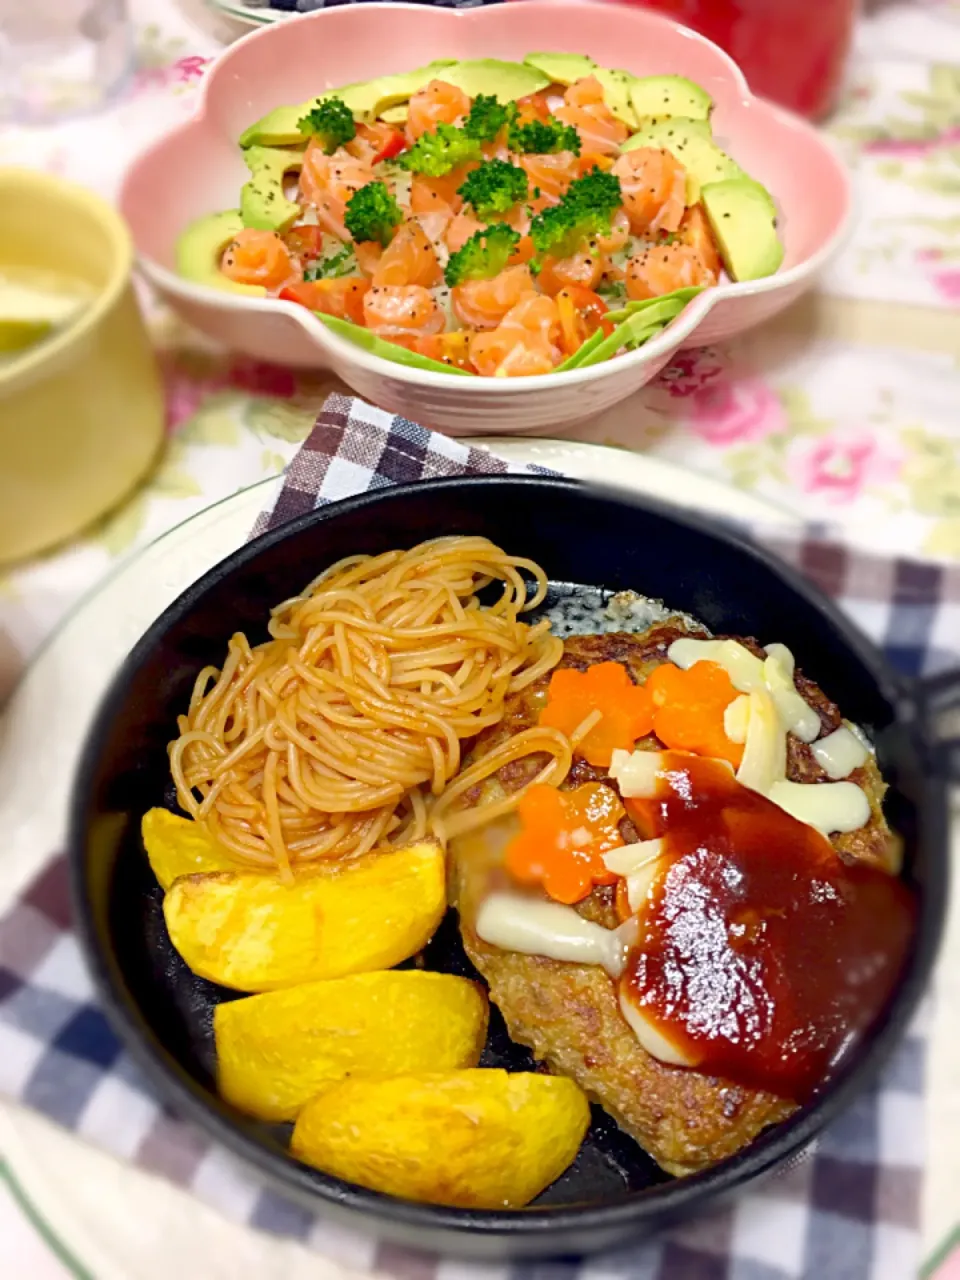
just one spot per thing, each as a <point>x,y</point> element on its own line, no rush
<point>567,1013</point>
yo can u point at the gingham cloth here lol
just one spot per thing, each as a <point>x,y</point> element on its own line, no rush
<point>849,1210</point>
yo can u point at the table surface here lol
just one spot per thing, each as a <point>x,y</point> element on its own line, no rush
<point>844,409</point>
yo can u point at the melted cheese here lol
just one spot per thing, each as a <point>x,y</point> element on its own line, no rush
<point>840,752</point>
<point>765,748</point>
<point>750,674</point>
<point>736,718</point>
<point>635,772</point>
<point>829,806</point>
<point>536,928</point>
<point>631,857</point>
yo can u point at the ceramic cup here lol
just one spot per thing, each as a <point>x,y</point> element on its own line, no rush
<point>81,413</point>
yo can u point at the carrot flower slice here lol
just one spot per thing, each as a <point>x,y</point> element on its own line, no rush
<point>688,709</point>
<point>622,711</point>
<point>563,837</point>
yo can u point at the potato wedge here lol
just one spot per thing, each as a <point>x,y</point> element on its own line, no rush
<point>254,933</point>
<point>180,847</point>
<point>277,1051</point>
<point>481,1139</point>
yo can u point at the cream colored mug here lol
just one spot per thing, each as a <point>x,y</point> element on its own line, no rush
<point>81,413</point>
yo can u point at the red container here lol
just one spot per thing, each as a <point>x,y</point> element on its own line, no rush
<point>792,51</point>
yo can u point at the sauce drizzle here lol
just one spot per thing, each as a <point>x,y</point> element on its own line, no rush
<point>761,955</point>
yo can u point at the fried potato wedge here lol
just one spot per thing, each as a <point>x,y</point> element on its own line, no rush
<point>277,1051</point>
<point>481,1139</point>
<point>252,932</point>
<point>180,847</point>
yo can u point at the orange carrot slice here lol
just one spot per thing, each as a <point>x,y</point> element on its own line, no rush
<point>625,709</point>
<point>563,837</point>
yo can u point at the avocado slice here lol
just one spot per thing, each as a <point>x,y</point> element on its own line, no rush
<point>386,350</point>
<point>262,202</point>
<point>656,133</point>
<point>562,68</point>
<point>567,68</point>
<point>365,98</point>
<point>397,114</point>
<point>699,154</point>
<point>670,96</point>
<point>617,86</point>
<point>200,248</point>
<point>743,219</point>
<point>506,81</point>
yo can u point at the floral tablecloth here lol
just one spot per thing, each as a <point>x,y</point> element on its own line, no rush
<point>847,408</point>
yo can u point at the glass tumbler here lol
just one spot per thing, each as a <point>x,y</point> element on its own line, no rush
<point>61,58</point>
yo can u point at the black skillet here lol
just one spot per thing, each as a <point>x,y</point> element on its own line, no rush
<point>613,1193</point>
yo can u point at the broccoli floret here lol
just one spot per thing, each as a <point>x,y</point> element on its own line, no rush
<point>483,256</point>
<point>586,210</point>
<point>487,117</point>
<point>330,120</point>
<point>541,137</point>
<point>372,213</point>
<point>436,153</point>
<point>494,188</point>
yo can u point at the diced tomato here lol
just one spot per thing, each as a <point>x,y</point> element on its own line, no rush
<point>582,312</point>
<point>306,242</point>
<point>396,143</point>
<point>341,297</point>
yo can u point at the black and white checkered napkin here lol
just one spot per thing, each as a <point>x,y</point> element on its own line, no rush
<point>849,1211</point>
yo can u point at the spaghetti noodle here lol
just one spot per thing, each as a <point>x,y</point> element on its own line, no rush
<point>343,731</point>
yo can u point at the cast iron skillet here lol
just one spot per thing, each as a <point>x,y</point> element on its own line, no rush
<point>613,1192</point>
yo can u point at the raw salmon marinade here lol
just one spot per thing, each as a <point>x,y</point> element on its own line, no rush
<point>493,238</point>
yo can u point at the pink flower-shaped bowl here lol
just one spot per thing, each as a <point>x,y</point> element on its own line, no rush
<point>198,168</point>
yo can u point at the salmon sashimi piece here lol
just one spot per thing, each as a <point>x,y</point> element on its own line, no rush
<point>482,304</point>
<point>586,268</point>
<point>409,258</point>
<point>661,268</point>
<point>371,140</point>
<point>654,187</point>
<point>389,309</point>
<point>438,195</point>
<point>524,345</point>
<point>695,231</point>
<point>328,182</point>
<point>341,297</point>
<point>436,103</point>
<point>537,316</point>
<point>464,225</point>
<point>435,229</point>
<point>259,257</point>
<point>368,254</point>
<point>549,175</point>
<point>601,133</point>
<point>618,235</point>
<point>460,229</point>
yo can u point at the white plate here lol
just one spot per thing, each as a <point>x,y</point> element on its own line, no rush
<point>117,1222</point>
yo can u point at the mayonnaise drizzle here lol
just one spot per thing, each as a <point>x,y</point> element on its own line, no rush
<point>840,752</point>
